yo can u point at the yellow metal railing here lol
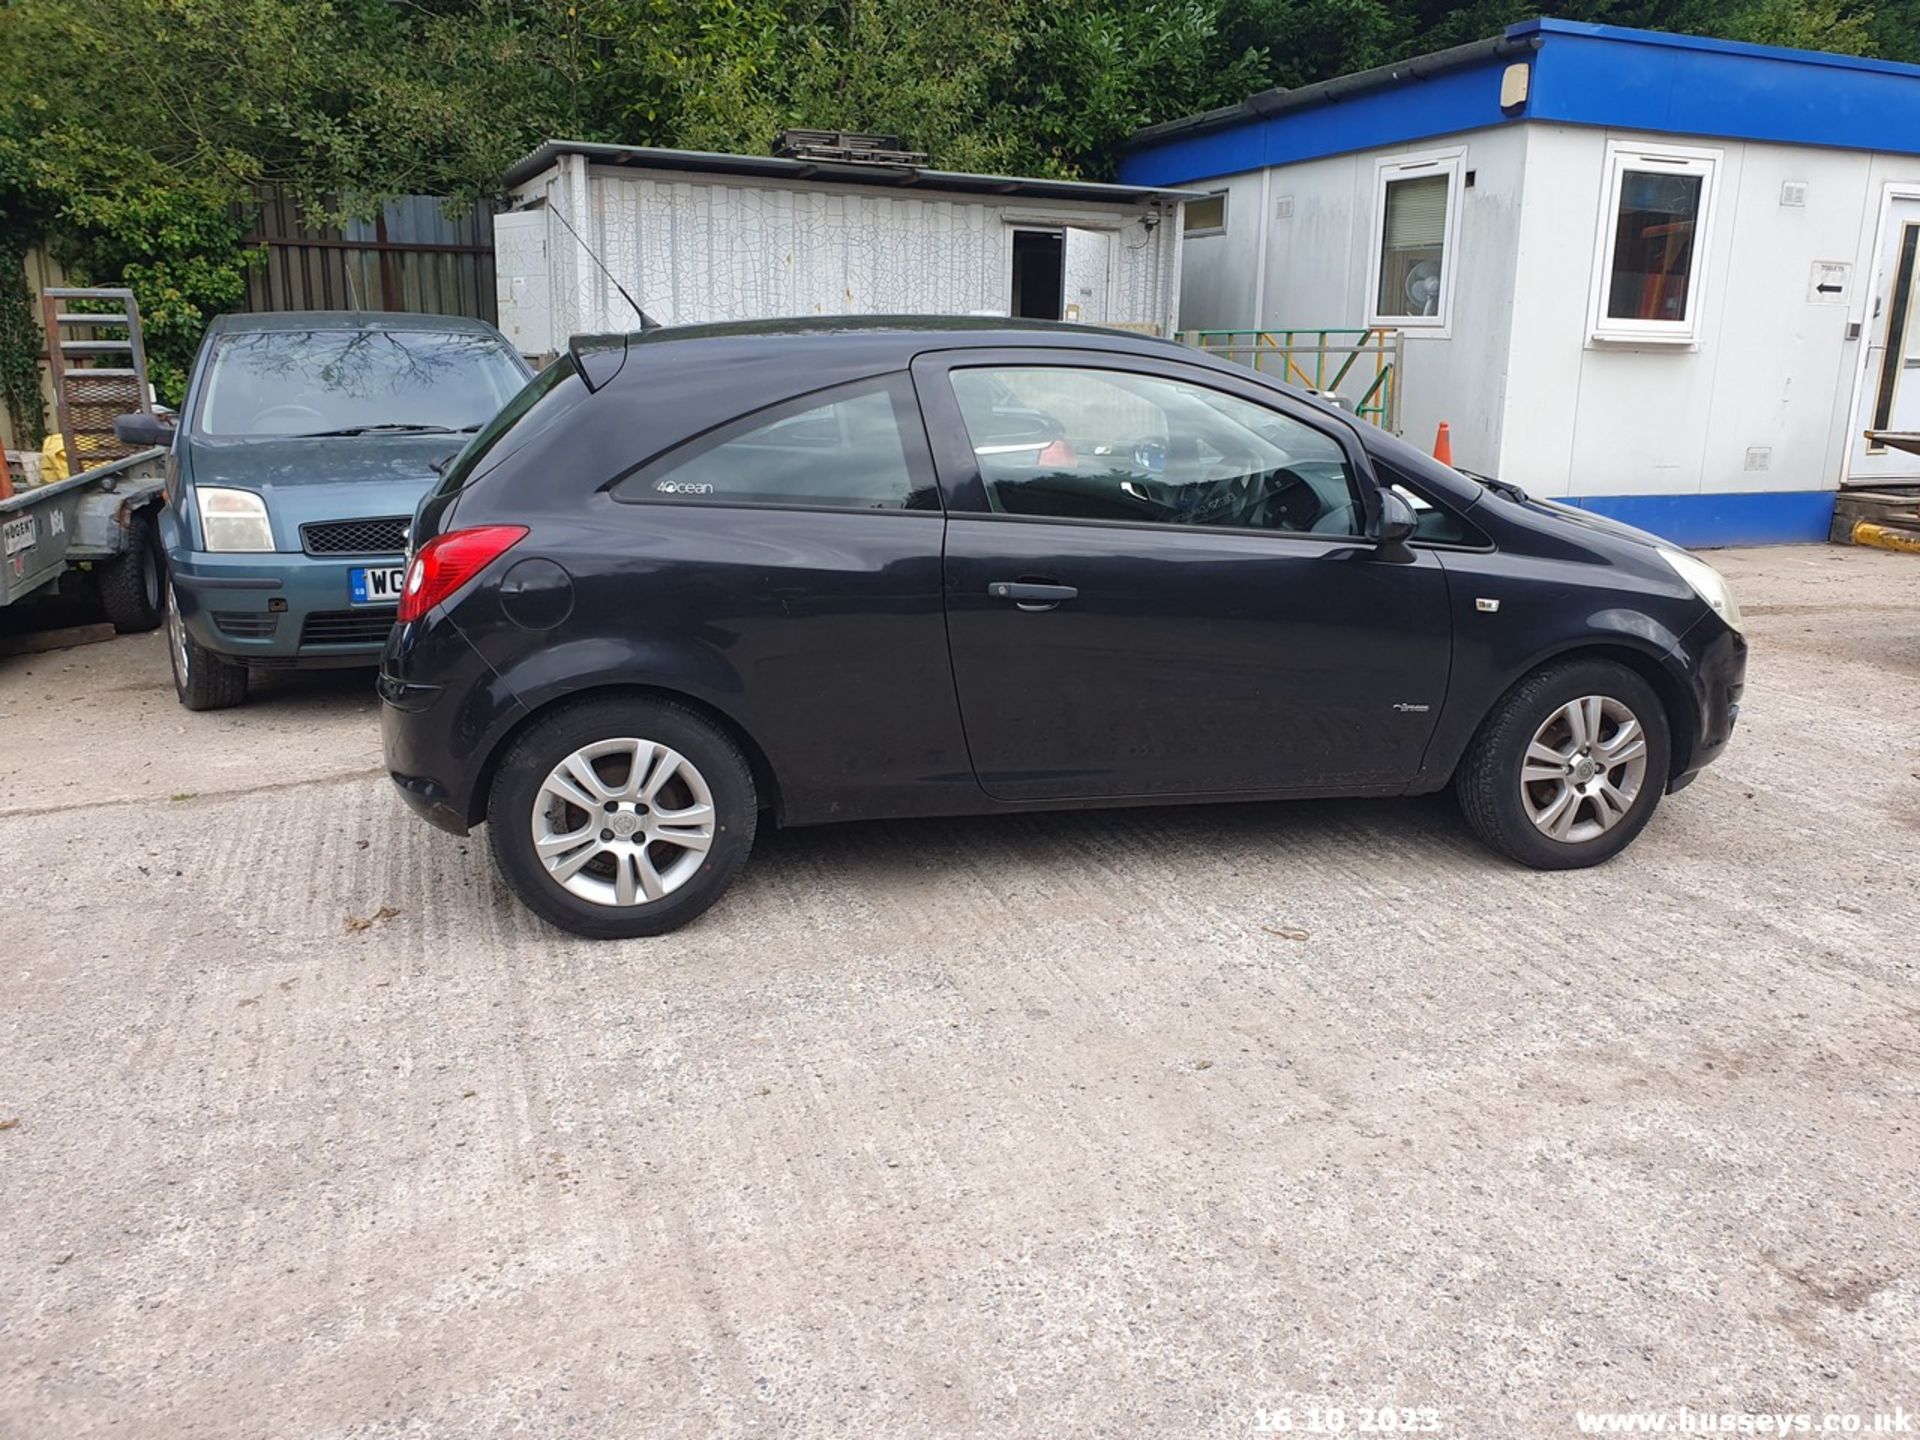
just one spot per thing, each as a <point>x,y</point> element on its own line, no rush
<point>1307,357</point>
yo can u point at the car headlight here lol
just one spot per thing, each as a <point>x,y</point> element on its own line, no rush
<point>1708,583</point>
<point>233,519</point>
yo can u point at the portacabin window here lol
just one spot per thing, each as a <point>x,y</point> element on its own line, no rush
<point>1416,218</point>
<point>838,449</point>
<point>1205,216</point>
<point>1653,243</point>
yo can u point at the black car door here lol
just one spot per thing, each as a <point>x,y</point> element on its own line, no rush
<point>1158,582</point>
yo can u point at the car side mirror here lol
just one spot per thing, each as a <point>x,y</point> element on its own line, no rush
<point>1397,521</point>
<point>142,430</point>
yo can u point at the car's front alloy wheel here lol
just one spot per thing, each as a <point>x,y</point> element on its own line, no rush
<point>1568,767</point>
<point>1584,768</point>
<point>201,679</point>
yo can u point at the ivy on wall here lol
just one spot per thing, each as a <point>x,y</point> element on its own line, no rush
<point>183,258</point>
<point>20,346</point>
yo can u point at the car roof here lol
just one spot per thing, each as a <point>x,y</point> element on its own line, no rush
<point>972,326</point>
<point>911,331</point>
<point>300,320</point>
<point>883,339</point>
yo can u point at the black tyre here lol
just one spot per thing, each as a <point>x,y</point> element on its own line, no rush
<point>1569,767</point>
<point>616,818</point>
<point>133,583</point>
<point>202,679</point>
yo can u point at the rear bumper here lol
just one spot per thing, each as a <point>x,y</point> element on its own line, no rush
<point>427,796</point>
<point>280,609</point>
<point>437,738</point>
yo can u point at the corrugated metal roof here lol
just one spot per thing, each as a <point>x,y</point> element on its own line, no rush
<point>896,177</point>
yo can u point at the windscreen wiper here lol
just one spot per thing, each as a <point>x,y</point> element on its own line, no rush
<point>392,429</point>
<point>1499,487</point>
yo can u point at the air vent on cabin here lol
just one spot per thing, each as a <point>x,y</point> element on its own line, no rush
<point>845,147</point>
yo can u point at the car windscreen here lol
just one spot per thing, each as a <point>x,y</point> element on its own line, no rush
<point>331,382</point>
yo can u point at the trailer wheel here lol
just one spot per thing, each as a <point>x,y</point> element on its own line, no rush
<point>133,583</point>
<point>201,679</point>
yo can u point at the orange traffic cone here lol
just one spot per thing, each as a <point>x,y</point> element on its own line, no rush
<point>1443,444</point>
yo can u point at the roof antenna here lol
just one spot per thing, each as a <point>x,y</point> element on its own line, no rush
<point>647,322</point>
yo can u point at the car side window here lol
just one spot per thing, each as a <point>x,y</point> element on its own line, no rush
<point>1433,524</point>
<point>841,449</point>
<point>1087,444</point>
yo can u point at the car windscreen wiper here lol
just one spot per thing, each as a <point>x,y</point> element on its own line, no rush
<point>392,429</point>
<point>1499,487</point>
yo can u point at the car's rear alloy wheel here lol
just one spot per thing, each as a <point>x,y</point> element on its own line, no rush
<point>1568,767</point>
<point>623,822</point>
<point>617,818</point>
<point>1584,769</point>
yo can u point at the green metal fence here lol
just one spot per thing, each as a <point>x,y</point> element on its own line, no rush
<point>1361,366</point>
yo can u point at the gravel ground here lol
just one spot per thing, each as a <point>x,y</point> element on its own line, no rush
<point>1127,1123</point>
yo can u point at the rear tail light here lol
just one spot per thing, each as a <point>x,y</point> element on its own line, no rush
<point>448,561</point>
<point>1059,455</point>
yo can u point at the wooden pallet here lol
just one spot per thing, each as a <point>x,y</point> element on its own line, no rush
<point>1888,507</point>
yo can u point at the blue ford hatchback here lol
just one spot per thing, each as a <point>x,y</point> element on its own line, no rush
<point>303,446</point>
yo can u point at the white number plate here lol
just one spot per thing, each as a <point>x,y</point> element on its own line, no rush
<point>19,534</point>
<point>376,587</point>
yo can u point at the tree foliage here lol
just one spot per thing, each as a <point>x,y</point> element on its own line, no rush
<point>133,132</point>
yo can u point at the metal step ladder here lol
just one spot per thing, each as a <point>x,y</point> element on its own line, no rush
<point>88,395</point>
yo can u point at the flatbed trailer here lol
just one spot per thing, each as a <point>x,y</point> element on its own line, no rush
<point>100,520</point>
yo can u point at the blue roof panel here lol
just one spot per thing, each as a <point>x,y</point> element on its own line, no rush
<point>1600,75</point>
<point>1717,88</point>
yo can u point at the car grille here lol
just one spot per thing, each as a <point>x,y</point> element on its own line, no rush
<point>386,536</point>
<point>348,627</point>
<point>245,624</point>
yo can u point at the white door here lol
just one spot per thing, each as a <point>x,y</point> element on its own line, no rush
<point>1890,378</point>
<point>523,300</point>
<point>1084,276</point>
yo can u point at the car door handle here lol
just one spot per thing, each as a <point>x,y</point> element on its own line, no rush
<point>1030,596</point>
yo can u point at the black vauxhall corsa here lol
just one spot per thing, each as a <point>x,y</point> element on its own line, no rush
<point>851,569</point>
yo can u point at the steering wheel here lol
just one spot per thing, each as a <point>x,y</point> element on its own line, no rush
<point>1290,501</point>
<point>1251,490</point>
<point>1218,502</point>
<point>292,411</point>
<point>1150,455</point>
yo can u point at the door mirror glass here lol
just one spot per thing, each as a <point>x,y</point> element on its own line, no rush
<point>1397,520</point>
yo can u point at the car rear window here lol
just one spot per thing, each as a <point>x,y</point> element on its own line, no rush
<point>842,449</point>
<point>540,401</point>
